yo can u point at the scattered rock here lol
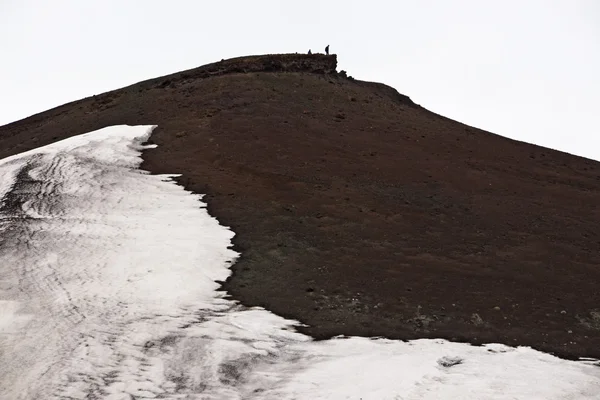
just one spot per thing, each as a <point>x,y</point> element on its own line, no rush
<point>448,362</point>
<point>164,84</point>
<point>591,322</point>
<point>477,320</point>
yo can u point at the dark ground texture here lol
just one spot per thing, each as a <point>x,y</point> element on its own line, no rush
<point>358,212</point>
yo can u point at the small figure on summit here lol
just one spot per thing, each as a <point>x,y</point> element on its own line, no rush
<point>309,52</point>
<point>327,50</point>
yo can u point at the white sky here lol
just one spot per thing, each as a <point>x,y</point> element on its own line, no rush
<point>524,69</point>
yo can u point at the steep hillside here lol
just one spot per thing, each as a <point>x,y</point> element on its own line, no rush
<point>358,212</point>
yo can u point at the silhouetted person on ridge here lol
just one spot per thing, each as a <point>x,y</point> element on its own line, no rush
<point>327,50</point>
<point>309,52</point>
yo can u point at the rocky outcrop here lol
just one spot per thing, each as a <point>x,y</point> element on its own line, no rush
<point>312,63</point>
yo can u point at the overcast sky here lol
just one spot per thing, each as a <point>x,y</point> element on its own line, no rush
<point>525,69</point>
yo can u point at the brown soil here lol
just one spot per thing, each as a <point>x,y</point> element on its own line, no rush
<point>358,212</point>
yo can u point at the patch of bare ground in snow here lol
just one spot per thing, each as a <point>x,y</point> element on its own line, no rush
<point>359,212</point>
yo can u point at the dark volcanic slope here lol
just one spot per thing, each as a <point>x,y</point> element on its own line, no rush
<point>360,213</point>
